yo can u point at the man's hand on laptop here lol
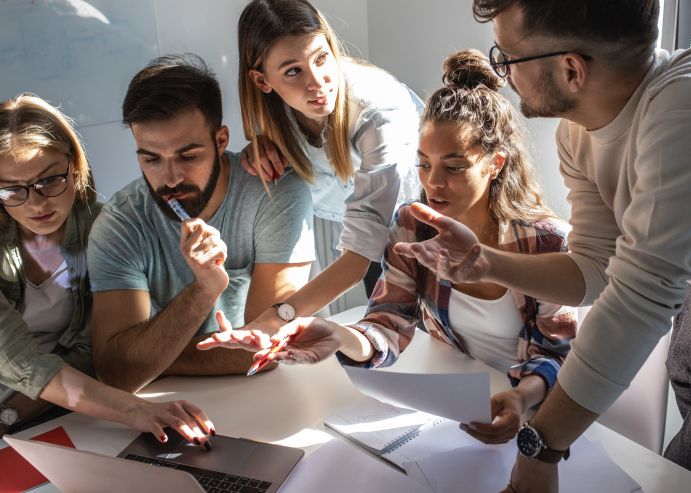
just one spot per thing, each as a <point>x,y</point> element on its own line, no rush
<point>186,418</point>
<point>205,252</point>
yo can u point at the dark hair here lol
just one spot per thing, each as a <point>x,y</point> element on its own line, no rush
<point>170,85</point>
<point>261,25</point>
<point>623,31</point>
<point>470,99</point>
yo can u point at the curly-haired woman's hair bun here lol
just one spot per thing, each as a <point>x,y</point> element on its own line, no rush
<point>467,69</point>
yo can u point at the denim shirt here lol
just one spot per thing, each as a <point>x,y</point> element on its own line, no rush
<point>23,367</point>
<point>384,121</point>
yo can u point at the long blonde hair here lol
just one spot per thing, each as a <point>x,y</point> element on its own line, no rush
<point>29,123</point>
<point>261,25</point>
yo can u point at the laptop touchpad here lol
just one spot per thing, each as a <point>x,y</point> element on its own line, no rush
<point>226,453</point>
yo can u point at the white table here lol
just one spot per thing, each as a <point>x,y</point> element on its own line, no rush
<point>287,406</point>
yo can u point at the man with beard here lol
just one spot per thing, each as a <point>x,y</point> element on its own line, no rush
<point>160,284</point>
<point>624,149</point>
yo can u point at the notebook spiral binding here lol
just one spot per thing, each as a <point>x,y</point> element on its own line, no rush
<point>404,438</point>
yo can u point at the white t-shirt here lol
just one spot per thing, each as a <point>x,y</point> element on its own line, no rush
<point>49,308</point>
<point>489,328</point>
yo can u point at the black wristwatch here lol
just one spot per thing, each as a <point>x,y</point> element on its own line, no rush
<point>531,445</point>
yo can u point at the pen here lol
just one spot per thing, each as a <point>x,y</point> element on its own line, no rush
<point>182,214</point>
<point>263,361</point>
<point>178,209</point>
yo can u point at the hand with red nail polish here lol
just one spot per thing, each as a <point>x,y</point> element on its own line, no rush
<point>184,417</point>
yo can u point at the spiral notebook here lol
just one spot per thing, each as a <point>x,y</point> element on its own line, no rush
<point>395,434</point>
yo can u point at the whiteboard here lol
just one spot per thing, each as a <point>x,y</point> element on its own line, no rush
<point>79,55</point>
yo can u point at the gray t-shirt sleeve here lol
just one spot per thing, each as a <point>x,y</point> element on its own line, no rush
<point>283,231</point>
<point>114,257</point>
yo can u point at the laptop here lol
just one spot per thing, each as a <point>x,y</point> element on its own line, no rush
<point>232,465</point>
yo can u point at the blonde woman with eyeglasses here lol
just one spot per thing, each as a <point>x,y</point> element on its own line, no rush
<point>47,207</point>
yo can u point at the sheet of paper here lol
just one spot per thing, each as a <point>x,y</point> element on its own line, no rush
<point>486,469</point>
<point>339,467</point>
<point>17,474</point>
<point>456,396</point>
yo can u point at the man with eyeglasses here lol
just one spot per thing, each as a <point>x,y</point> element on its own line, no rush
<point>625,152</point>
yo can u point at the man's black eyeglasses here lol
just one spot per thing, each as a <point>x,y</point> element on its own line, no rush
<point>50,186</point>
<point>500,62</point>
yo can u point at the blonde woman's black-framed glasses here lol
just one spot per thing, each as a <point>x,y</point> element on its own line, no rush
<point>50,186</point>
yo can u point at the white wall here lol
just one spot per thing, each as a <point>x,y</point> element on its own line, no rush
<point>412,39</point>
<point>207,28</point>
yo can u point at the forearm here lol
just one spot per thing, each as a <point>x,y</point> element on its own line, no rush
<point>354,344</point>
<point>561,420</point>
<point>78,392</point>
<point>214,362</point>
<point>551,277</point>
<point>532,390</point>
<point>135,356</point>
<point>346,271</point>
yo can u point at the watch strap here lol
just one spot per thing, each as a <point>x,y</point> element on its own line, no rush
<point>552,456</point>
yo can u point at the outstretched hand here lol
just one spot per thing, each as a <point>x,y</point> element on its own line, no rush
<point>454,254</point>
<point>247,338</point>
<point>312,340</point>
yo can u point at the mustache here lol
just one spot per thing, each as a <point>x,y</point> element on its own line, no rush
<point>179,189</point>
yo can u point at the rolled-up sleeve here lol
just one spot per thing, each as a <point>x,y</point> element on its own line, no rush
<point>386,140</point>
<point>23,367</point>
<point>652,259</point>
<point>394,307</point>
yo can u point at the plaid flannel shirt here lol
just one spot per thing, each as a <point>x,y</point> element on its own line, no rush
<point>395,308</point>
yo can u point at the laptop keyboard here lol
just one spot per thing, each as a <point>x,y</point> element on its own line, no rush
<point>211,481</point>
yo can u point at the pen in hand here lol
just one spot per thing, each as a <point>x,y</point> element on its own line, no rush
<point>180,211</point>
<point>264,360</point>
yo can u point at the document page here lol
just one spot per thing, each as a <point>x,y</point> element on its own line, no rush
<point>457,396</point>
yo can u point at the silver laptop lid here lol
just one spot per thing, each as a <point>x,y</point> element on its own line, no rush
<point>78,471</point>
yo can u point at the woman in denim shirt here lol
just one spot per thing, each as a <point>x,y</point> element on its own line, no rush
<point>345,126</point>
<point>47,207</point>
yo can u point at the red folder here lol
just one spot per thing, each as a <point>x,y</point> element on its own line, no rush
<point>17,474</point>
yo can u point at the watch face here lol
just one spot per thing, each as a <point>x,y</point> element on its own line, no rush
<point>286,312</point>
<point>8,416</point>
<point>528,441</point>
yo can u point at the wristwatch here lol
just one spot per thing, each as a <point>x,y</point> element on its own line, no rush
<point>8,416</point>
<point>531,445</point>
<point>285,311</point>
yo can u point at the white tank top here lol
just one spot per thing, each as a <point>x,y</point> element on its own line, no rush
<point>48,308</point>
<point>489,328</point>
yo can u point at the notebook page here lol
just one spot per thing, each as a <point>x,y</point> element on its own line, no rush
<point>376,425</point>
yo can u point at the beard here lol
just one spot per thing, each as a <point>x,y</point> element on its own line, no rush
<point>195,204</point>
<point>553,102</point>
